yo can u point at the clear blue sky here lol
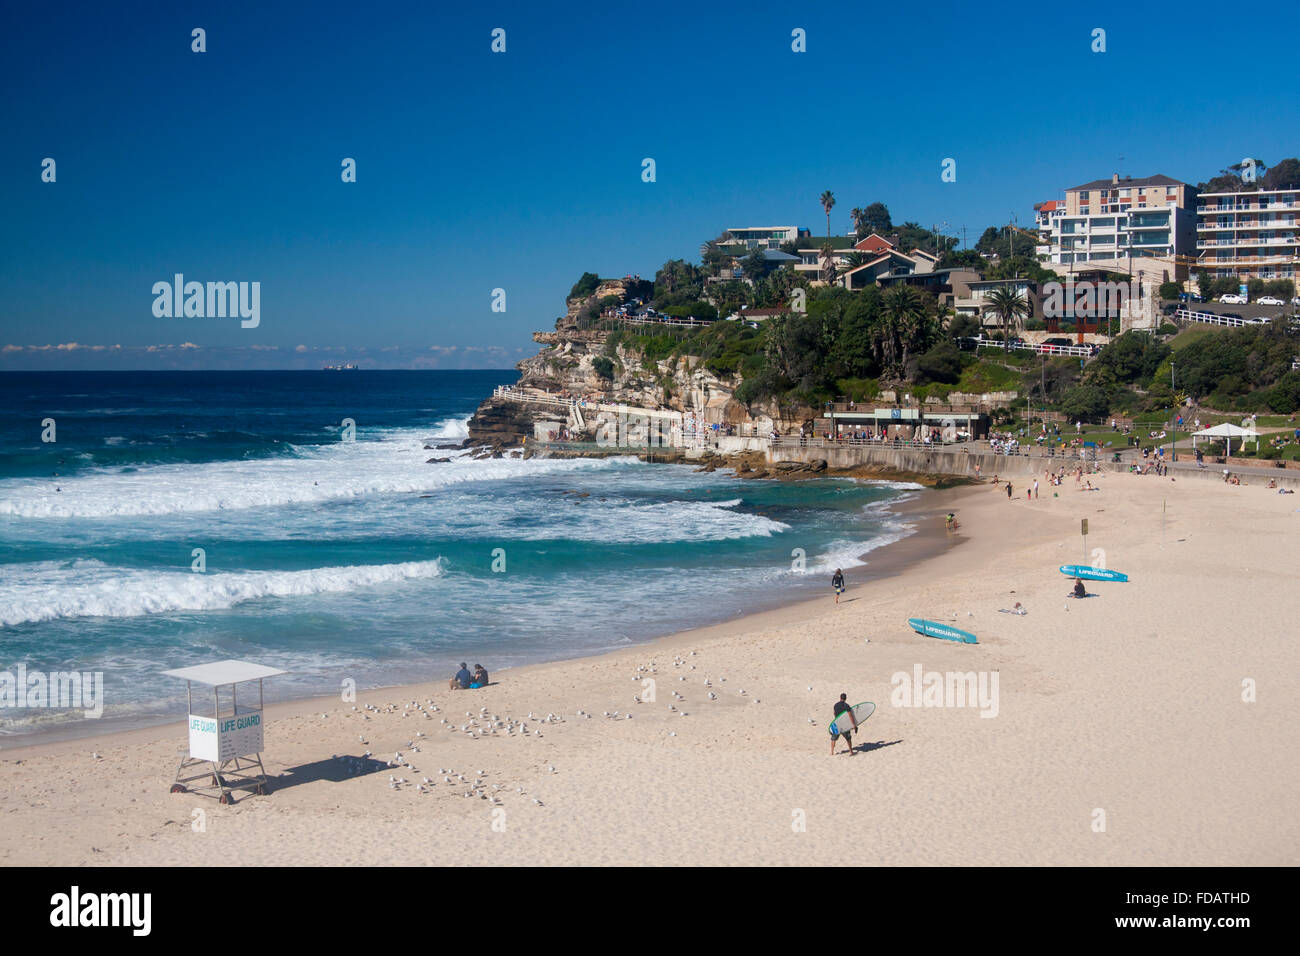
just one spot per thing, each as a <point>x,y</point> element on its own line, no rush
<point>522,170</point>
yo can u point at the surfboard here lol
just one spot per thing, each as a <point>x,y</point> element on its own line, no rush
<point>1089,573</point>
<point>934,629</point>
<point>860,711</point>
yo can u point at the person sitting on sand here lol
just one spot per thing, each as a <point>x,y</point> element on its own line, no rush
<point>837,582</point>
<point>480,677</point>
<point>842,707</point>
<point>462,680</point>
<point>1079,590</point>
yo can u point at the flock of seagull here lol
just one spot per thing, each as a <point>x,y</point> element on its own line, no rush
<point>486,724</point>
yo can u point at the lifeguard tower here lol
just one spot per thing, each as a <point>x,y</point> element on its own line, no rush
<point>228,739</point>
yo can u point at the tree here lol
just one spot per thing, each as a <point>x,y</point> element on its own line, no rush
<point>755,265</point>
<point>1170,290</point>
<point>1008,305</point>
<point>874,218</point>
<point>942,363</point>
<point>1082,402</point>
<point>828,203</point>
<point>584,286</point>
<point>828,271</point>
<point>905,329</point>
<point>1285,175</point>
<point>963,259</point>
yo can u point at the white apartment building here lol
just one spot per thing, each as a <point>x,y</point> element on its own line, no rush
<point>1249,235</point>
<point>740,239</point>
<point>1118,219</point>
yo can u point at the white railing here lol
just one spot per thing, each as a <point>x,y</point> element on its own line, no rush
<point>1080,350</point>
<point>1213,318</point>
<point>639,320</point>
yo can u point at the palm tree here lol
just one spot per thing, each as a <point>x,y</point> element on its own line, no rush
<point>905,322</point>
<point>859,217</point>
<point>854,259</point>
<point>1008,305</point>
<point>828,203</point>
<point>828,270</point>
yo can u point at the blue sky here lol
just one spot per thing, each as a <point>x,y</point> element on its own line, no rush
<point>522,170</point>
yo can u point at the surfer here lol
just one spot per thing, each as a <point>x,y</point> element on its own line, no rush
<point>837,582</point>
<point>842,707</point>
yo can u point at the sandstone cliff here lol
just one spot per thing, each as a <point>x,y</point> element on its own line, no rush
<point>567,365</point>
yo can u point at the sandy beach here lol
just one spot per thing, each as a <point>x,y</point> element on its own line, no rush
<point>1118,734</point>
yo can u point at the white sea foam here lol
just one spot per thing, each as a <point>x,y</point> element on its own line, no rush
<point>339,471</point>
<point>452,429</point>
<point>47,591</point>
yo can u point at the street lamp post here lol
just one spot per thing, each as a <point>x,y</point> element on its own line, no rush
<point>1173,417</point>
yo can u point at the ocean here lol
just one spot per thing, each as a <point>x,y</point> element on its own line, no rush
<point>184,517</point>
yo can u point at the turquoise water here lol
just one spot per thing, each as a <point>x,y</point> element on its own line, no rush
<point>340,559</point>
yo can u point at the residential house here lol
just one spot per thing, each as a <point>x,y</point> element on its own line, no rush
<point>738,240</point>
<point>976,304</point>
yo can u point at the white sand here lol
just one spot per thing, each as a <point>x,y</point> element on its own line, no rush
<point>1129,703</point>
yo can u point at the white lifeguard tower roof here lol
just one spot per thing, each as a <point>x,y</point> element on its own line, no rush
<point>220,673</point>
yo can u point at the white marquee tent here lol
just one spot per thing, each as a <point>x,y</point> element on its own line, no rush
<point>1228,432</point>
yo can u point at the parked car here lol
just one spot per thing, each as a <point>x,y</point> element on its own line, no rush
<point>1191,297</point>
<point>1232,315</point>
<point>1231,298</point>
<point>1296,300</point>
<point>1269,300</point>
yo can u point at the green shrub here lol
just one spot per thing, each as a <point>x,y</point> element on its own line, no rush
<point>604,367</point>
<point>584,286</point>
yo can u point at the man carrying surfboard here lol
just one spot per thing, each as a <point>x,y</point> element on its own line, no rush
<point>842,707</point>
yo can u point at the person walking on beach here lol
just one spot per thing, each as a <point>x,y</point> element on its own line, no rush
<point>842,707</point>
<point>837,582</point>
<point>1035,487</point>
<point>1008,491</point>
